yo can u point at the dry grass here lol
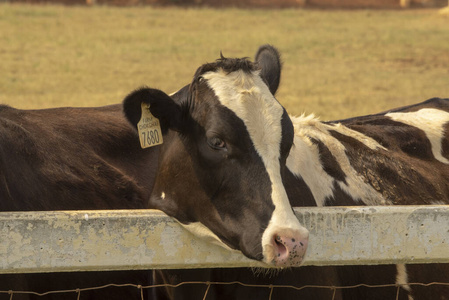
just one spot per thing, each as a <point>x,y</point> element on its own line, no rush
<point>336,63</point>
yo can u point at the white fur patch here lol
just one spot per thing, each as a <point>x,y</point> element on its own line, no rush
<point>402,278</point>
<point>250,99</point>
<point>304,161</point>
<point>429,120</point>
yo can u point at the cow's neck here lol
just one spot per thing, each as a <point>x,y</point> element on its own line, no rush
<point>320,158</point>
<point>342,166</point>
<point>173,162</point>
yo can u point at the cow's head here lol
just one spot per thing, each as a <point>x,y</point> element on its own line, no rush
<point>226,141</point>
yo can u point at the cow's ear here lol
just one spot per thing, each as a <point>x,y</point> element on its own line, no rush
<point>160,104</point>
<point>269,61</point>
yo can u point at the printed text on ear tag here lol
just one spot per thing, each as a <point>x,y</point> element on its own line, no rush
<point>149,128</point>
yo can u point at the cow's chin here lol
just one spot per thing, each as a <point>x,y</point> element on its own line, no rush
<point>204,233</point>
<point>279,251</point>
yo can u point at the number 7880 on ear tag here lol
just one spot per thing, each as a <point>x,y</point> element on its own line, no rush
<point>149,128</point>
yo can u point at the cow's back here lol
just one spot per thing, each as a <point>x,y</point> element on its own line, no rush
<point>71,158</point>
<point>411,165</point>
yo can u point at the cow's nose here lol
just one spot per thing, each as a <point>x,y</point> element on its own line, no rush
<point>290,249</point>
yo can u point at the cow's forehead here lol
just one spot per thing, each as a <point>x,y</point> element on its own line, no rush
<point>246,94</point>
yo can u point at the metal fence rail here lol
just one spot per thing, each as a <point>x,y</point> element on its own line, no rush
<point>148,239</point>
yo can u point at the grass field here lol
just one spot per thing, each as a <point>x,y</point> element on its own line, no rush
<point>337,63</point>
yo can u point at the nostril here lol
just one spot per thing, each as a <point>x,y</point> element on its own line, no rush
<point>289,248</point>
<point>281,249</point>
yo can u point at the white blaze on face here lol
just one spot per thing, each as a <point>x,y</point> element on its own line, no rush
<point>250,99</point>
<point>429,120</point>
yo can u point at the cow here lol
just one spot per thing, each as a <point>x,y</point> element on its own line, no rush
<point>226,141</point>
<point>397,157</point>
<point>217,167</point>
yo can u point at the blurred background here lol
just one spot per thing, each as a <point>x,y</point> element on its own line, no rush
<point>341,58</point>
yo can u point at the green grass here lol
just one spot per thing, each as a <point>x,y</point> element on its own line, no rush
<point>337,63</point>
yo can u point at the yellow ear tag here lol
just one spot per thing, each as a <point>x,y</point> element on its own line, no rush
<point>149,128</point>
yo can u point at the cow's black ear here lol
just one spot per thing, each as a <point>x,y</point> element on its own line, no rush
<point>161,106</point>
<point>269,61</point>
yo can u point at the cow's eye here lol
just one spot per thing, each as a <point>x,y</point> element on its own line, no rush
<point>216,143</point>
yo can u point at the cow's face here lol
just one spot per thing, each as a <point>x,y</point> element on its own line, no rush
<point>220,169</point>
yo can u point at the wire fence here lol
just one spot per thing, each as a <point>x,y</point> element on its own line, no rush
<point>208,284</point>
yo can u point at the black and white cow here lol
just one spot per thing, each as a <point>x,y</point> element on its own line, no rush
<point>226,141</point>
<point>219,171</point>
<point>398,157</point>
